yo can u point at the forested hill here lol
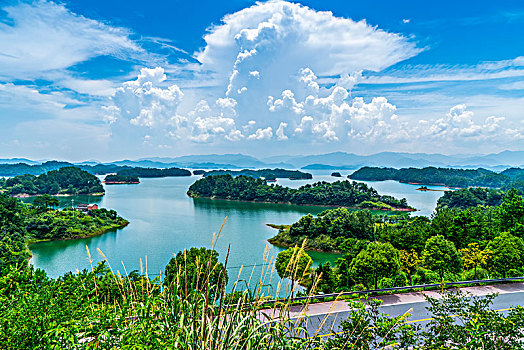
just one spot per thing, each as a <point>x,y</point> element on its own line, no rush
<point>267,174</point>
<point>68,180</point>
<point>96,169</point>
<point>340,193</point>
<point>443,176</point>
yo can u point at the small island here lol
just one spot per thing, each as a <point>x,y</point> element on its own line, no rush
<point>336,174</point>
<point>114,179</point>
<point>153,172</point>
<point>61,182</point>
<point>337,194</point>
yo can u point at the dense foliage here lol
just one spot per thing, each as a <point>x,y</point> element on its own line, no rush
<point>340,193</point>
<point>265,173</point>
<point>67,180</point>
<point>470,197</point>
<point>21,222</point>
<point>455,244</point>
<point>196,268</point>
<point>125,179</point>
<point>154,172</point>
<point>442,176</point>
<point>101,310</point>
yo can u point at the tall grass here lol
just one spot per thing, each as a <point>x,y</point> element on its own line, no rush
<point>104,309</point>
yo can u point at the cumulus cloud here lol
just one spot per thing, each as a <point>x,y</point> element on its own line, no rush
<point>459,125</point>
<point>262,134</point>
<point>144,101</point>
<point>281,136</point>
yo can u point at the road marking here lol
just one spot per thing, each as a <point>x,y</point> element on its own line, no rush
<point>412,321</point>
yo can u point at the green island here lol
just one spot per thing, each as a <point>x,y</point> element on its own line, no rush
<point>64,181</point>
<point>509,178</point>
<point>24,224</point>
<point>121,179</point>
<point>153,172</point>
<point>340,193</point>
<point>268,174</point>
<point>455,244</point>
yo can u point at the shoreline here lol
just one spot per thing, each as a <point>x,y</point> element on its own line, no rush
<point>98,233</point>
<point>308,205</point>
<point>26,195</point>
<point>306,248</point>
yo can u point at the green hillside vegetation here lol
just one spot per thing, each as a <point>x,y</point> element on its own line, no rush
<point>265,173</point>
<point>67,180</point>
<point>443,176</point>
<point>99,309</point>
<point>456,244</point>
<point>21,223</point>
<point>245,188</point>
<point>470,197</point>
<point>125,179</point>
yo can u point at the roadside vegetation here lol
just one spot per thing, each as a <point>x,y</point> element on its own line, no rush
<point>379,252</point>
<point>188,308</point>
<point>339,193</point>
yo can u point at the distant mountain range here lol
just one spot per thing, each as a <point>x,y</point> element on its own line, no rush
<point>335,160</point>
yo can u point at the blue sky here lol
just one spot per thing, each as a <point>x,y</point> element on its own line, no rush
<point>121,79</point>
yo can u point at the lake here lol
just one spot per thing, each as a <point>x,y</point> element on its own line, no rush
<point>164,221</point>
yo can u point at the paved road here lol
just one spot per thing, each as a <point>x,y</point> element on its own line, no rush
<point>330,314</point>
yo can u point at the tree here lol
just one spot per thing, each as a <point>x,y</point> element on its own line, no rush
<point>326,278</point>
<point>511,213</point>
<point>473,256</point>
<point>409,263</point>
<point>376,261</point>
<point>507,253</point>
<point>294,262</point>
<point>441,256</point>
<point>197,269</point>
<point>45,201</point>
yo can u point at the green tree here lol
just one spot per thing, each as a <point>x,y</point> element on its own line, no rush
<point>473,256</point>
<point>511,213</point>
<point>295,263</point>
<point>507,253</point>
<point>46,201</point>
<point>196,269</point>
<point>409,263</point>
<point>441,256</point>
<point>378,260</point>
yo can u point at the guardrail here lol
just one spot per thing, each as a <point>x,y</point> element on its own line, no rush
<point>393,289</point>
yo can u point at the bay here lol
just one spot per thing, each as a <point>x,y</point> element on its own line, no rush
<point>164,221</point>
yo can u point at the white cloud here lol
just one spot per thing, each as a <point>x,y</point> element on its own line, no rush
<point>259,48</point>
<point>262,134</point>
<point>281,136</point>
<point>459,125</point>
<point>144,101</point>
<point>41,37</point>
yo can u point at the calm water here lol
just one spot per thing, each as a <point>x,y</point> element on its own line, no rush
<point>163,221</point>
